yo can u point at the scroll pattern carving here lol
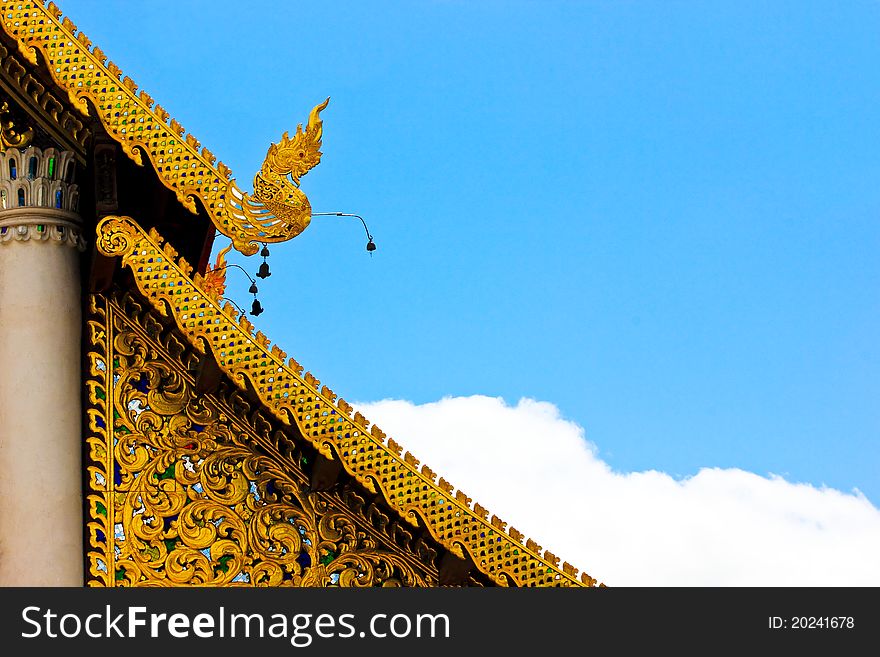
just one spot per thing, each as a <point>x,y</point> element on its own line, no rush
<point>368,455</point>
<point>44,102</point>
<point>11,136</point>
<point>188,489</point>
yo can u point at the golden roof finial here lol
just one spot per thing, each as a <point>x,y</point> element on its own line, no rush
<point>277,201</point>
<point>215,278</point>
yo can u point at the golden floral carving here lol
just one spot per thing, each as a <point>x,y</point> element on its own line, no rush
<point>10,135</point>
<point>184,492</point>
<point>365,453</point>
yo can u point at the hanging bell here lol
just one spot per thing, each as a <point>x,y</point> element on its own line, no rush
<point>265,252</point>
<point>264,271</point>
<point>253,288</point>
<point>371,246</point>
<point>256,308</point>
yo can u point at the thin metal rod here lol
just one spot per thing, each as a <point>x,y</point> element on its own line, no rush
<point>232,264</point>
<point>234,304</point>
<point>345,214</point>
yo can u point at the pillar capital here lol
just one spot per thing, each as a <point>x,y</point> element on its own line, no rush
<point>39,198</point>
<point>33,177</point>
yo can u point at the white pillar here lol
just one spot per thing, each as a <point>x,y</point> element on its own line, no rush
<point>41,499</point>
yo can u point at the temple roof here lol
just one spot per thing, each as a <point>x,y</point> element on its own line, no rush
<point>149,136</point>
<point>277,211</point>
<point>375,461</point>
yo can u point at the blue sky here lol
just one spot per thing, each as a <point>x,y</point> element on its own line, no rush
<point>661,217</point>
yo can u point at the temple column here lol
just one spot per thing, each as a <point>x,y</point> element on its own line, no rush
<point>41,499</point>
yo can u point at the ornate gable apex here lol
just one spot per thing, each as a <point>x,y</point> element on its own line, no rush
<point>277,210</point>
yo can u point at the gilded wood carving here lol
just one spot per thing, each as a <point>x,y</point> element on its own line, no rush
<point>276,211</point>
<point>374,460</point>
<point>199,490</point>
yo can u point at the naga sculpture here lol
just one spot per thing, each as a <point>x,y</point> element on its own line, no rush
<point>276,211</point>
<point>278,204</point>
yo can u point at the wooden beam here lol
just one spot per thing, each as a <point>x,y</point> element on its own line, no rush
<point>106,174</point>
<point>101,274</point>
<point>33,91</point>
<point>209,375</point>
<point>325,473</point>
<point>454,571</point>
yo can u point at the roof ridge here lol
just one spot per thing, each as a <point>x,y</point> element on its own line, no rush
<point>142,127</point>
<point>325,420</point>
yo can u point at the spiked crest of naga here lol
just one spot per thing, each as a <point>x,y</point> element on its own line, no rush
<point>278,210</point>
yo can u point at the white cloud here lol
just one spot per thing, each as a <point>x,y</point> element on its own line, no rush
<point>719,527</point>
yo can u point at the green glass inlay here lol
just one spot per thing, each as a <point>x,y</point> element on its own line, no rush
<point>101,509</point>
<point>168,474</point>
<point>223,563</point>
<point>327,558</point>
<point>99,393</point>
<point>51,167</point>
<point>120,574</point>
<point>170,544</point>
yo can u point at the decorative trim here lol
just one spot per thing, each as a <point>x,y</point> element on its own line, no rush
<point>11,136</point>
<point>43,179</point>
<point>193,489</point>
<point>56,234</point>
<point>41,225</point>
<point>278,209</point>
<point>50,112</point>
<point>370,457</point>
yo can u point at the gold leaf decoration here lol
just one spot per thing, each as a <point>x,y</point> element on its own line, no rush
<point>186,490</point>
<point>294,399</point>
<point>277,210</point>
